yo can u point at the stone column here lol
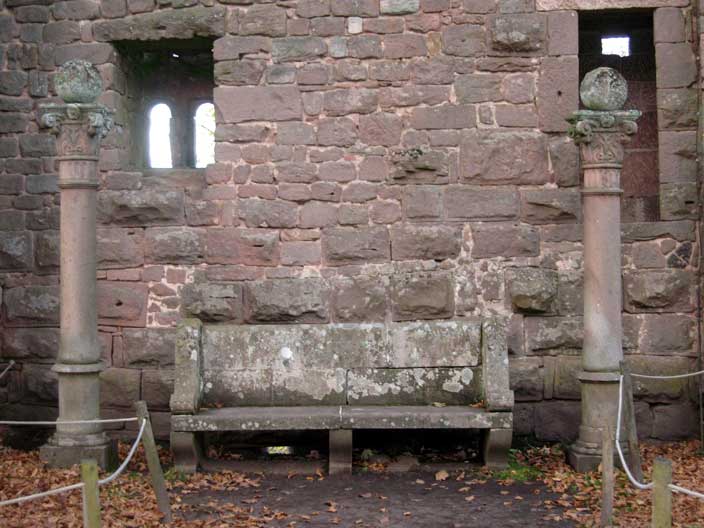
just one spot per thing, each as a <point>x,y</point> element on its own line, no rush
<point>601,131</point>
<point>79,123</point>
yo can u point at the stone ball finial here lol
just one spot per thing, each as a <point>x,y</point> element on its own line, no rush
<point>78,81</point>
<point>603,89</point>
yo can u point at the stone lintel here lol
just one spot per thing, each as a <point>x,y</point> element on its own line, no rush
<point>586,5</point>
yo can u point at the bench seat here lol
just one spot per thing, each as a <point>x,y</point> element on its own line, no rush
<point>340,417</point>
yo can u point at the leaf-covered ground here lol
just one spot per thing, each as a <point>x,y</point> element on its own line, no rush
<point>539,490</point>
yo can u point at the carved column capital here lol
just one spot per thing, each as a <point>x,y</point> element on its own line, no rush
<point>79,127</point>
<point>602,135</point>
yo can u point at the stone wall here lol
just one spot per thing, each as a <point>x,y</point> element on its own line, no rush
<point>377,160</point>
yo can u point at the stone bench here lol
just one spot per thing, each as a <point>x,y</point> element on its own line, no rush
<point>338,378</point>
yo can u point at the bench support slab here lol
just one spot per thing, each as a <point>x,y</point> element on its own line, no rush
<point>187,448</point>
<point>495,447</point>
<point>340,452</point>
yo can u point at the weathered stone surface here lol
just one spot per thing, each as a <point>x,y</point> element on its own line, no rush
<point>312,387</point>
<point>410,242</point>
<point>174,245</point>
<point>453,386</point>
<point>123,304</point>
<point>148,347</point>
<point>658,290</point>
<point>558,83</point>
<point>564,161</point>
<point>380,128</point>
<point>346,245</point>
<point>399,7</point>
<point>359,299</point>
<point>263,19</point>
<point>494,158</point>
<point>295,49</point>
<point>677,66</point>
<point>444,117</point>
<point>15,250</point>
<point>527,378</point>
<point>119,387</point>
<point>435,344</point>
<point>293,300</point>
<point>557,421</point>
<point>677,156</point>
<point>405,46</point>
<point>268,213</point>
<point>199,21</point>
<point>253,247</point>
<point>675,421</point>
<point>233,47</point>
<point>422,296</point>
<point>261,103</point>
<point>667,334</point>
<point>239,72</point>
<point>566,384</point>
<point>677,108</point>
<point>660,390</point>
<point>550,206</point>
<point>419,165</point>
<point>38,345</point>
<point>40,383</point>
<point>679,200</point>
<point>157,386</point>
<point>682,230</point>
<point>603,89</point>
<point>553,335</point>
<point>503,240</point>
<point>362,8</point>
<point>33,305</point>
<point>531,289</point>
<point>213,301</point>
<point>352,101</point>
<point>563,33</point>
<point>518,33</point>
<point>144,207</point>
<point>464,40</point>
<point>478,88</point>
<point>476,203</point>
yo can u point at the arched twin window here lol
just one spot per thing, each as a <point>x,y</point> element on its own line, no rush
<point>201,132</point>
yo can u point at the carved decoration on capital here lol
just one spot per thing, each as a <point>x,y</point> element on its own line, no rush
<point>79,127</point>
<point>602,135</point>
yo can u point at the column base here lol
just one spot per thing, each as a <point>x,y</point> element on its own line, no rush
<point>583,459</point>
<point>60,456</point>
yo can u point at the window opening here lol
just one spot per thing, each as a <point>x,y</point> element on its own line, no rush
<point>160,137</point>
<point>620,46</point>
<point>204,135</point>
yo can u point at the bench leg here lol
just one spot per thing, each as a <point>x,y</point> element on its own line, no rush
<point>187,450</point>
<point>495,447</point>
<point>340,452</point>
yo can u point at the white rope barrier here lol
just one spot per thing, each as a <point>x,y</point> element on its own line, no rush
<point>633,480</point>
<point>649,485</point>
<point>56,491</point>
<point>72,422</point>
<point>122,467</point>
<point>7,369</point>
<point>675,376</point>
<point>80,485</point>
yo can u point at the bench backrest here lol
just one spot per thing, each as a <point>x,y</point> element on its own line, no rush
<point>455,362</point>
